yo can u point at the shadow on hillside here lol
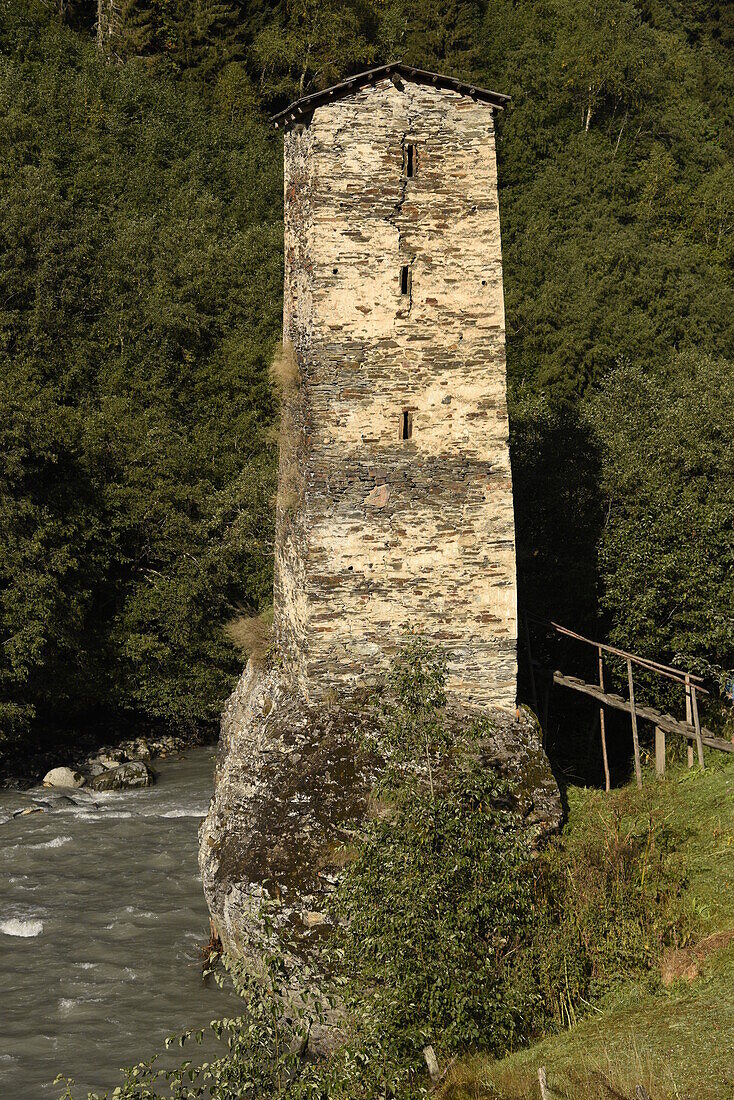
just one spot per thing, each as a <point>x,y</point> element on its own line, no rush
<point>556,469</point>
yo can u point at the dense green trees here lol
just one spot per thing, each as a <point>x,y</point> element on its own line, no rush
<point>140,274</point>
<point>667,546</point>
<point>617,236</point>
<point>140,234</point>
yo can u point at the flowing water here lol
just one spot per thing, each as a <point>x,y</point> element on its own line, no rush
<point>101,921</point>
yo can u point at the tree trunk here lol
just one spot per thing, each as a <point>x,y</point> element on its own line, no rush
<point>108,27</point>
<point>304,71</point>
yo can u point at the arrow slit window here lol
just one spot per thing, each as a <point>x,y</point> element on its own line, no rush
<point>405,280</point>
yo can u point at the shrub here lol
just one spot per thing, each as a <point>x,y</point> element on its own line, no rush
<point>437,904</point>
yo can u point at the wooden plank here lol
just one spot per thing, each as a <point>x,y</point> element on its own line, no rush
<point>665,721</point>
<point>646,662</point>
<point>697,724</point>
<point>432,1063</point>
<point>659,752</point>
<point>602,727</point>
<point>689,720</point>
<point>633,716</point>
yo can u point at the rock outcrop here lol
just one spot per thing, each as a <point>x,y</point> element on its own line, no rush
<point>290,791</point>
<point>287,791</point>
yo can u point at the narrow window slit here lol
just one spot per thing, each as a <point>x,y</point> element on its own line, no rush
<point>405,279</point>
<point>406,425</point>
<point>410,158</point>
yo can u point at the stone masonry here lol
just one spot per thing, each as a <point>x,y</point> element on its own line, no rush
<point>394,308</point>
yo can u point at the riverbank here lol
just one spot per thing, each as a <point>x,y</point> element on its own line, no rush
<point>672,1032</point>
<point>26,765</point>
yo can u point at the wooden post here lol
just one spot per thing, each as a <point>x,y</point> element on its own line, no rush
<point>432,1063</point>
<point>607,783</point>
<point>659,752</point>
<point>543,1082</point>
<point>530,663</point>
<point>697,725</point>
<point>689,720</point>
<point>633,713</point>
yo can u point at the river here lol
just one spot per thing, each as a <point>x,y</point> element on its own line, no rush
<point>101,922</point>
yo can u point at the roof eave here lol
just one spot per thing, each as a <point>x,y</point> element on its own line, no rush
<point>304,107</point>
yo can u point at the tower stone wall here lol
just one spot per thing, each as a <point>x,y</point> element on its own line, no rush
<point>376,532</point>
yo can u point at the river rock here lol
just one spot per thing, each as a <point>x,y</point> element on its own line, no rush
<point>108,758</point>
<point>290,789</point>
<point>63,777</point>
<point>57,798</point>
<point>128,776</point>
<point>286,785</point>
<point>137,748</point>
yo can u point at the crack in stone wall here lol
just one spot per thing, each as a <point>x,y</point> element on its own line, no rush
<point>394,218</point>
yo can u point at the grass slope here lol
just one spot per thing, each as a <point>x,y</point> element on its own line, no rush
<point>676,1041</point>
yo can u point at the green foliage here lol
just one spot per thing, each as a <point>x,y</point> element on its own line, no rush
<point>436,904</point>
<point>632,1036</point>
<point>198,35</point>
<point>441,35</point>
<point>667,479</point>
<point>140,263</point>
<point>438,897</point>
<point>410,727</point>
<point>311,44</point>
<point>610,896</point>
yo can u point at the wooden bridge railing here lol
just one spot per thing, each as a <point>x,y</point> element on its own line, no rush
<point>691,728</point>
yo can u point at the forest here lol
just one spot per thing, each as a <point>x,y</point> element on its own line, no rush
<point>140,306</point>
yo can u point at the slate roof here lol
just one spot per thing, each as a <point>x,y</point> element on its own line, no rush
<point>302,108</point>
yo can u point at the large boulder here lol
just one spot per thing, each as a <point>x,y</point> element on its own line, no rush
<point>289,788</point>
<point>127,777</point>
<point>63,777</point>
<point>286,788</point>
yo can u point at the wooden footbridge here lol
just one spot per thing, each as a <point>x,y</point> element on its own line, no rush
<point>689,728</point>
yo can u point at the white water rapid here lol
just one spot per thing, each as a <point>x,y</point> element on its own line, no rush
<point>101,921</point>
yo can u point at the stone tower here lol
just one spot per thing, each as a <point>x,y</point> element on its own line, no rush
<point>395,498</point>
<point>394,495</point>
